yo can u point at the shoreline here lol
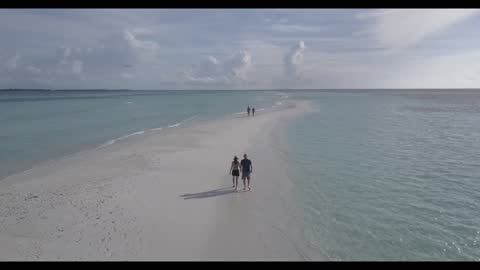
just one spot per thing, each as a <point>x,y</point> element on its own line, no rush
<point>128,136</point>
<point>124,201</point>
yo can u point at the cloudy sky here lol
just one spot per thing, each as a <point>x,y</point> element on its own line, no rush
<point>239,49</point>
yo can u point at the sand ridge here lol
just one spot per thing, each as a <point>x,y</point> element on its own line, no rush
<point>164,196</point>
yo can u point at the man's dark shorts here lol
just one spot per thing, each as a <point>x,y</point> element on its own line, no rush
<point>245,175</point>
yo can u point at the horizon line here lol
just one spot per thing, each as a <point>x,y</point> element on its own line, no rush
<point>266,89</point>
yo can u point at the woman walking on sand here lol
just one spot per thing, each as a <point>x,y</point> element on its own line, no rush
<point>235,171</point>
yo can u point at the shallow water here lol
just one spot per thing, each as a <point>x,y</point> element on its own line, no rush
<point>387,175</point>
<point>372,175</point>
<point>41,125</point>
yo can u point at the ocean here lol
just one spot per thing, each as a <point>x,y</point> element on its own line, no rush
<point>377,174</point>
<point>42,125</point>
<point>387,175</point>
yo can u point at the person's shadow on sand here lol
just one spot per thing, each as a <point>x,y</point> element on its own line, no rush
<point>208,194</point>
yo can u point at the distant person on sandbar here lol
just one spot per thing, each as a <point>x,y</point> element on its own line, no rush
<point>247,169</point>
<point>248,110</point>
<point>235,171</point>
<point>253,111</point>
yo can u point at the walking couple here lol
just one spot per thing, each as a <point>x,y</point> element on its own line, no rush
<point>253,111</point>
<point>245,166</point>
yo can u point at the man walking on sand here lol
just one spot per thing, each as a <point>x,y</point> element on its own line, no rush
<point>247,169</point>
<point>248,110</point>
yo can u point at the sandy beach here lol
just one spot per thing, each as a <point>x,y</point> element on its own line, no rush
<point>160,196</point>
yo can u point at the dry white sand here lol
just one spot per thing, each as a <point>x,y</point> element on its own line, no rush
<point>162,196</point>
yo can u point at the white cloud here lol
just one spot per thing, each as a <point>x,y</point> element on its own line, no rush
<point>268,67</point>
<point>397,29</point>
<point>34,70</point>
<point>293,61</point>
<point>237,66</point>
<point>211,66</point>
<point>233,69</point>
<point>149,47</point>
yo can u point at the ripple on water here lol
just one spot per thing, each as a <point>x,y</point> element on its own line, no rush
<point>384,181</point>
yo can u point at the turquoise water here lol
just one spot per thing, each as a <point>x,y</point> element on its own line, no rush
<point>378,175</point>
<point>387,175</point>
<point>42,125</point>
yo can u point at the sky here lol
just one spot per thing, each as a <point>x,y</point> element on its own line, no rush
<point>239,48</point>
